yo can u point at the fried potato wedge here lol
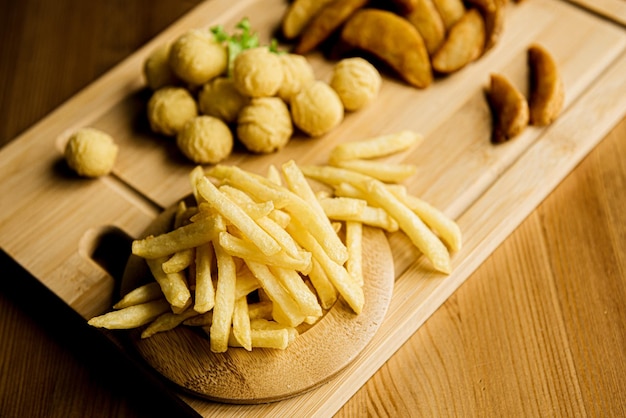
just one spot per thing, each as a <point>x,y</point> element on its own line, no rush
<point>393,39</point>
<point>405,6</point>
<point>327,21</point>
<point>509,108</point>
<point>428,23</point>
<point>451,11</point>
<point>299,14</point>
<point>547,93</point>
<point>464,44</point>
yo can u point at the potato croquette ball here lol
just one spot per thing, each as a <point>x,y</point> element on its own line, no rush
<point>205,140</point>
<point>221,99</point>
<point>264,126</point>
<point>356,81</point>
<point>169,109</point>
<point>196,57</point>
<point>257,72</point>
<point>156,68</point>
<point>91,153</point>
<point>297,72</point>
<point>316,109</point>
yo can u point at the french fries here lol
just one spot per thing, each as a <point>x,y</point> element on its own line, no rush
<point>255,259</point>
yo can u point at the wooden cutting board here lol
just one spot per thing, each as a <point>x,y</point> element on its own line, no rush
<point>52,223</point>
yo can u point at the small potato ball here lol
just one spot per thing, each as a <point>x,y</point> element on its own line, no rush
<point>264,126</point>
<point>205,140</point>
<point>91,152</point>
<point>221,99</point>
<point>196,57</point>
<point>297,72</point>
<point>257,72</point>
<point>169,109</point>
<point>156,68</point>
<point>316,109</point>
<point>356,81</point>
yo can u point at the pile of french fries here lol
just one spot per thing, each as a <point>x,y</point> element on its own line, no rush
<point>257,257</point>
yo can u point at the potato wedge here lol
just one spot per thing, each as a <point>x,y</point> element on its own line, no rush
<point>393,39</point>
<point>509,108</point>
<point>493,13</point>
<point>547,93</point>
<point>327,21</point>
<point>299,14</point>
<point>428,23</point>
<point>451,11</point>
<point>464,44</point>
<point>405,7</point>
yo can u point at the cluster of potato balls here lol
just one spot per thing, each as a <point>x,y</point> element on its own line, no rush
<point>207,97</point>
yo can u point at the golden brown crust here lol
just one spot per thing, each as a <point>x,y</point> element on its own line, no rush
<point>429,24</point>
<point>509,109</point>
<point>393,39</point>
<point>547,93</point>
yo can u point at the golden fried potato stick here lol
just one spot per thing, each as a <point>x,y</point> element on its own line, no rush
<point>241,324</point>
<point>379,170</point>
<point>354,243</point>
<point>394,40</point>
<point>142,294</point>
<point>187,236</point>
<point>132,316</point>
<point>265,338</point>
<point>509,108</point>
<point>325,22</point>
<point>238,217</point>
<point>464,44</point>
<point>428,23</point>
<point>299,291</point>
<point>179,261</point>
<point>375,147</point>
<point>166,322</point>
<point>299,14</point>
<point>547,94</point>
<point>421,236</point>
<point>224,300</point>
<point>204,293</point>
<point>326,292</point>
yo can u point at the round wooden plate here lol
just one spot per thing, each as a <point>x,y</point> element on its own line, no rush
<point>183,355</point>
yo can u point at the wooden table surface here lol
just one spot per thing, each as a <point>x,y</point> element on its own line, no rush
<point>538,330</point>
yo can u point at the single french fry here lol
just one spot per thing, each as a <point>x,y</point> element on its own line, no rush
<point>224,300</point>
<point>444,226</point>
<point>174,285</point>
<point>252,208</point>
<point>422,237</point>
<point>273,175</point>
<point>238,217</point>
<point>142,294</point>
<point>342,207</point>
<point>132,316</point>
<point>166,322</point>
<point>200,320</point>
<point>375,147</point>
<point>326,292</point>
<point>196,174</point>
<point>241,323</point>
<point>379,170</point>
<point>354,243</point>
<point>187,236</point>
<point>204,292</point>
<point>246,282</point>
<point>265,338</point>
<point>263,324</point>
<point>179,261</point>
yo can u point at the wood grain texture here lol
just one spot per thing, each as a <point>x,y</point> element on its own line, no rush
<point>568,316</point>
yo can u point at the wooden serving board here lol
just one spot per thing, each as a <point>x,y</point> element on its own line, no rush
<point>52,223</point>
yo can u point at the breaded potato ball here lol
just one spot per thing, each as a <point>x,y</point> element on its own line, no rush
<point>196,57</point>
<point>169,109</point>
<point>265,126</point>
<point>297,72</point>
<point>221,99</point>
<point>205,140</point>
<point>316,109</point>
<point>356,81</point>
<point>156,68</point>
<point>91,152</point>
<point>257,72</point>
